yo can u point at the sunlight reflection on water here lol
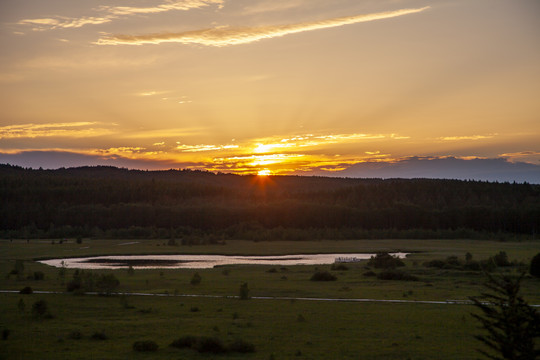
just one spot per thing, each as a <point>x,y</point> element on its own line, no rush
<point>199,261</point>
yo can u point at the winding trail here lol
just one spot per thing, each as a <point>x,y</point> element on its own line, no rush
<point>395,301</point>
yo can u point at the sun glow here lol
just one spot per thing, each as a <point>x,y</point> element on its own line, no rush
<point>264,172</point>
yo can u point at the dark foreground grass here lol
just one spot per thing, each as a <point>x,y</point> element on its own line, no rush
<point>327,330</point>
<point>283,329</point>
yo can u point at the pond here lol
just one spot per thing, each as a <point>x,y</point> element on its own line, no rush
<point>202,261</point>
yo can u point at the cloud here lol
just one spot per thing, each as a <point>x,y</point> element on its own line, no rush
<point>225,36</point>
<point>110,13</point>
<point>74,129</point>
<point>272,144</point>
<point>470,137</point>
<point>64,22</point>
<point>167,6</point>
<point>527,156</point>
<point>199,148</point>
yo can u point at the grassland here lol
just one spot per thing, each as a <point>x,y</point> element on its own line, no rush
<point>279,329</point>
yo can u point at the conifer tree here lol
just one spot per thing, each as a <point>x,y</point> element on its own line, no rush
<point>512,326</point>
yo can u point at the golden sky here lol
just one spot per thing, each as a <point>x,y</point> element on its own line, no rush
<point>286,86</point>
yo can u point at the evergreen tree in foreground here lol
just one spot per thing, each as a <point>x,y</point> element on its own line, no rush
<point>512,325</point>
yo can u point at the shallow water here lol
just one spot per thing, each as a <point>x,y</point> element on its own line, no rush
<point>198,261</point>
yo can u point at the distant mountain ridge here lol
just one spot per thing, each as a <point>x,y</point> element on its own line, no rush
<point>497,169</point>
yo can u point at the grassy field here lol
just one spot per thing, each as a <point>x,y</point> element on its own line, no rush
<point>279,329</point>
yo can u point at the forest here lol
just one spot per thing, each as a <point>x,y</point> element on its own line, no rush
<point>198,207</point>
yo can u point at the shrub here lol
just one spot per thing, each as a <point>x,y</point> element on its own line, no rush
<point>323,276</point>
<point>187,341</point>
<point>196,279</point>
<point>145,346</point>
<point>40,308</point>
<point>384,260</point>
<point>26,290</point>
<point>535,266</point>
<point>241,346</point>
<point>369,273</point>
<point>339,267</point>
<point>79,240</point>
<point>206,344</point>
<point>5,334</point>
<point>396,275</point>
<point>501,259</point>
<point>244,291</point>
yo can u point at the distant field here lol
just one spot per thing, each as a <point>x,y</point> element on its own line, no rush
<point>282,328</point>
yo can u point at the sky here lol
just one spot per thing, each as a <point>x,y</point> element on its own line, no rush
<point>362,88</point>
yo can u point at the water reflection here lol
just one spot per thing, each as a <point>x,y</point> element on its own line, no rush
<point>200,261</point>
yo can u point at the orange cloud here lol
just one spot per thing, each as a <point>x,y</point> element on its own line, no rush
<point>469,137</point>
<point>110,13</point>
<point>226,36</point>
<point>74,129</point>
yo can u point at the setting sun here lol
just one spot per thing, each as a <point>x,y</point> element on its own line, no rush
<point>265,172</point>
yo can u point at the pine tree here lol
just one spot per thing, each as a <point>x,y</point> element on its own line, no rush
<point>511,324</point>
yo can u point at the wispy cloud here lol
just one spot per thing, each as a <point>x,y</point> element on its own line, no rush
<point>110,13</point>
<point>468,137</point>
<point>199,148</point>
<point>225,36</point>
<point>62,22</point>
<point>74,129</point>
<point>167,6</point>
<point>273,144</point>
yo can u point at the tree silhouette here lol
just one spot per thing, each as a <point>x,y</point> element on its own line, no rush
<point>511,324</point>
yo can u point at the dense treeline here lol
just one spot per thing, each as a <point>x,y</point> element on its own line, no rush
<point>107,201</point>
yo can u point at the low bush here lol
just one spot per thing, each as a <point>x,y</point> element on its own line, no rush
<point>244,292</point>
<point>39,275</point>
<point>370,273</point>
<point>212,345</point>
<point>26,290</point>
<point>5,334</point>
<point>339,267</point>
<point>323,276</point>
<point>40,309</point>
<point>396,275</point>
<point>145,346</point>
<point>187,341</point>
<point>501,259</point>
<point>205,344</point>
<point>196,279</point>
<point>384,260</point>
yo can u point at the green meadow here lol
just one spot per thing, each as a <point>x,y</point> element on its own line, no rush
<point>278,328</point>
